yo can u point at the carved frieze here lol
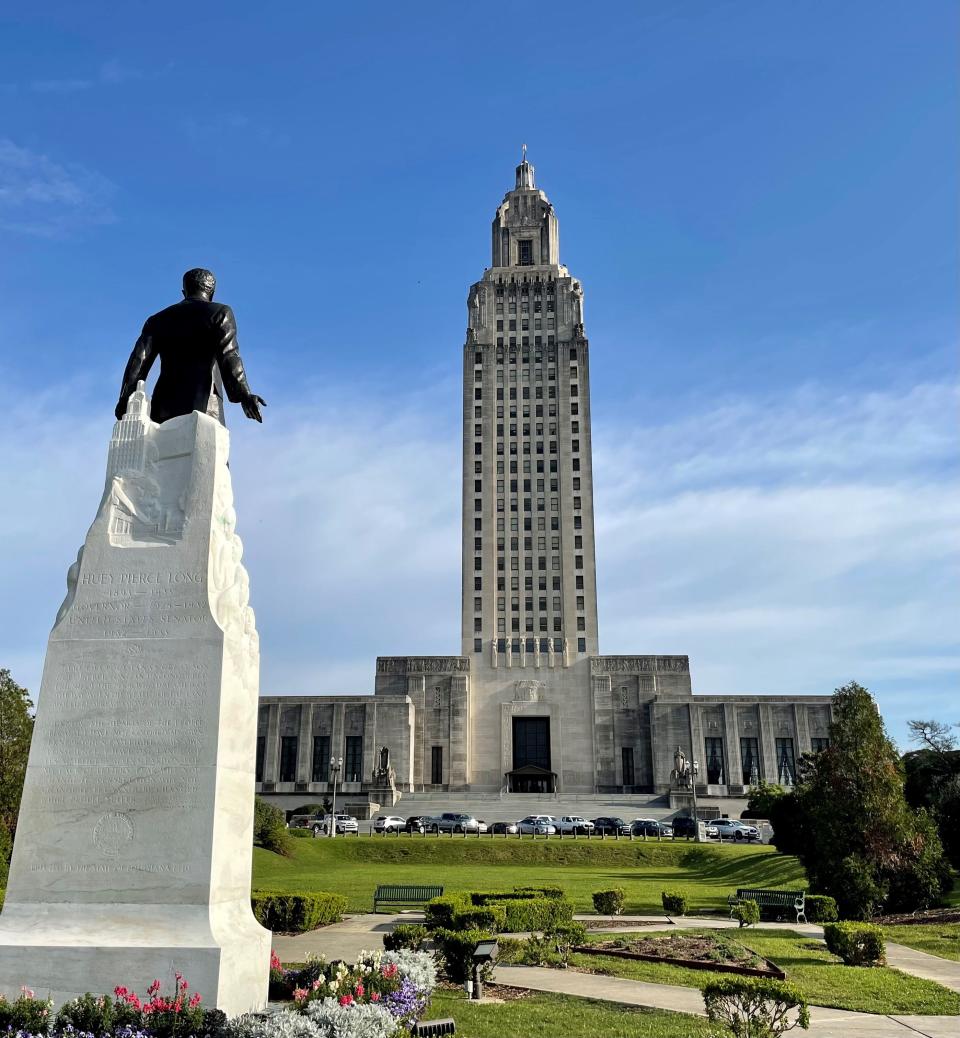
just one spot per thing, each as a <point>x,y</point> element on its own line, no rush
<point>422,664</point>
<point>639,664</point>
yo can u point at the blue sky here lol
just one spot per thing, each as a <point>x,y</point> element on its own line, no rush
<point>760,200</point>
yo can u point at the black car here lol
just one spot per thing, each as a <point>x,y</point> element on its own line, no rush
<point>503,828</point>
<point>684,826</point>
<point>651,827</point>
<point>415,824</point>
<point>611,826</point>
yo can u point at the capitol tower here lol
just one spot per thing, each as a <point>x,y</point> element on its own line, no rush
<point>529,577</point>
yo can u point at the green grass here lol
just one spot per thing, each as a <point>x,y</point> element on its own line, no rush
<point>541,1015</point>
<point>355,866</point>
<point>941,939</point>
<point>823,979</point>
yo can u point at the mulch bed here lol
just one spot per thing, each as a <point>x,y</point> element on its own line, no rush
<point>694,952</point>
<point>931,915</point>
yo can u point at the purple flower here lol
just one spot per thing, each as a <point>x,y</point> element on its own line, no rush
<point>406,1003</point>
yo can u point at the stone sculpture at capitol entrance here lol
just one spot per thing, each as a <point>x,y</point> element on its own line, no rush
<point>132,856</point>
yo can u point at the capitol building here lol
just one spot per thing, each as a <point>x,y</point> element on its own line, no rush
<point>529,705</point>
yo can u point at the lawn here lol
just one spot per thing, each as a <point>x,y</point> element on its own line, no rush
<point>823,979</point>
<point>540,1015</point>
<point>941,939</point>
<point>355,866</point>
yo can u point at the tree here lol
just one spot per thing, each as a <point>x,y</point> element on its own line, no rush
<point>860,840</point>
<point>16,729</point>
<point>933,780</point>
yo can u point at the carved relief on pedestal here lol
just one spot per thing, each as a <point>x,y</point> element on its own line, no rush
<point>528,691</point>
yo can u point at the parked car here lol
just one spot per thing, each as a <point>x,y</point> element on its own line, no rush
<point>504,828</point>
<point>734,829</point>
<point>454,822</point>
<point>683,825</point>
<point>388,823</point>
<point>343,823</point>
<point>304,821</point>
<point>541,825</point>
<point>573,824</point>
<point>482,826</point>
<point>651,827</point>
<point>610,825</point>
<point>417,824</point>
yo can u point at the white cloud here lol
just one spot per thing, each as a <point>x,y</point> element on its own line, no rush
<point>41,197</point>
<point>787,544</point>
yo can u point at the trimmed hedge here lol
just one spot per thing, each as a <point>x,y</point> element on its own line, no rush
<point>858,944</point>
<point>553,892</point>
<point>481,917</point>
<point>755,1006</point>
<point>609,902</point>
<point>456,949</point>
<point>406,935</point>
<point>296,913</point>
<point>440,911</point>
<point>674,902</point>
<point>820,908</point>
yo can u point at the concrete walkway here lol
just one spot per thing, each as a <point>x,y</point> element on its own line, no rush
<point>365,933</point>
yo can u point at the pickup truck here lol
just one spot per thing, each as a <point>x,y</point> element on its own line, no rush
<point>573,824</point>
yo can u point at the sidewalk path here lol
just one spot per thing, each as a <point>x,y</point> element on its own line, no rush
<point>824,1023</point>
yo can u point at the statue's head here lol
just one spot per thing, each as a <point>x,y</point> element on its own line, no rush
<point>199,282</point>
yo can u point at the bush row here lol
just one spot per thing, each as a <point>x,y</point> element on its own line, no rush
<point>296,913</point>
<point>500,911</point>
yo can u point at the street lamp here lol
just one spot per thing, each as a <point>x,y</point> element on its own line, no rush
<point>336,764</point>
<point>694,771</point>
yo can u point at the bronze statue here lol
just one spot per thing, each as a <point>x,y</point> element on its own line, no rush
<point>191,338</point>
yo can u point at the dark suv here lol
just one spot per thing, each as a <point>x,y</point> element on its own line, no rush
<point>611,826</point>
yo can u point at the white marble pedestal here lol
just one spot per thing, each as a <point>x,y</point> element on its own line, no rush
<point>133,851</point>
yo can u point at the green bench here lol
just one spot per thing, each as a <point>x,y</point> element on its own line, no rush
<point>791,899</point>
<point>404,896</point>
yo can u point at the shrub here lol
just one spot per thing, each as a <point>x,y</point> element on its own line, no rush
<point>856,889</point>
<point>538,913</point>
<point>820,908</point>
<point>441,911</point>
<point>858,944</point>
<point>300,834</point>
<point>270,828</point>
<point>746,912</point>
<point>481,917</point>
<point>552,892</point>
<point>28,1014</point>
<point>417,966</point>
<point>674,902</point>
<point>455,950</point>
<point>755,1007</point>
<point>90,1014</point>
<point>410,936</point>
<point>609,902</point>
<point>296,913</point>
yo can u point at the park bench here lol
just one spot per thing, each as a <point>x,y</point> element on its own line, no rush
<point>792,899</point>
<point>404,896</point>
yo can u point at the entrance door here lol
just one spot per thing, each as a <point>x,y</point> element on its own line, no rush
<point>531,742</point>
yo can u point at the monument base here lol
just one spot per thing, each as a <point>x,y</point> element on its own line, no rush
<point>63,951</point>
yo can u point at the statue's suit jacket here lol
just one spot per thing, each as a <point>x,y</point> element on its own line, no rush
<point>189,337</point>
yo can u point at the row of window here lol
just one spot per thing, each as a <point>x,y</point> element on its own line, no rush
<point>511,355</point>
<point>513,286</point>
<point>527,562</point>
<point>319,762</point>
<point>529,645</point>
<point>526,374</point>
<point>515,603</point>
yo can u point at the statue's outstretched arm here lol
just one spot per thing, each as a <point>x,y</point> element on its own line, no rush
<point>231,367</point>
<point>143,355</point>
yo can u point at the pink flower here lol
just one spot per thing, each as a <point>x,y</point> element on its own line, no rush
<point>120,992</point>
<point>195,999</point>
<point>318,983</point>
<point>299,994</point>
<point>275,963</point>
<point>154,988</point>
<point>27,992</point>
<point>390,970</point>
<point>375,997</point>
<point>346,1000</point>
<point>358,990</point>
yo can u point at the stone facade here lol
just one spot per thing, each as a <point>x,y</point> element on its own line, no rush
<point>530,705</point>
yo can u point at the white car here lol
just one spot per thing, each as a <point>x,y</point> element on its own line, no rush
<point>541,825</point>
<point>573,824</point>
<point>389,823</point>
<point>734,829</point>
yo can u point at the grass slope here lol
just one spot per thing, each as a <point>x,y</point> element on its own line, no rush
<point>355,866</point>
<point>540,1015</point>
<point>823,979</point>
<point>941,939</point>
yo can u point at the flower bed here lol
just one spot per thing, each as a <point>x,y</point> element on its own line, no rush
<point>381,996</point>
<point>712,952</point>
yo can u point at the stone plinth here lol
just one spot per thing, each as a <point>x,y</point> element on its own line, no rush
<point>133,850</point>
